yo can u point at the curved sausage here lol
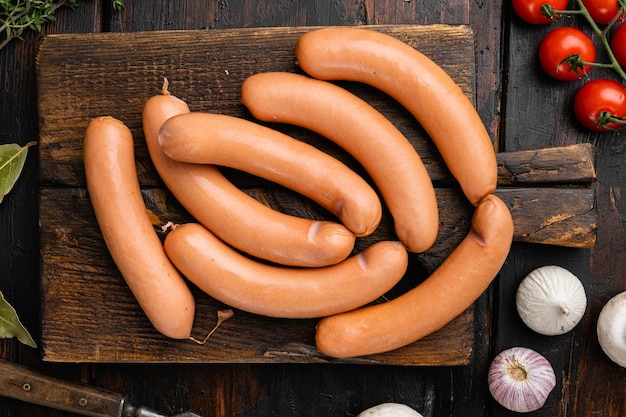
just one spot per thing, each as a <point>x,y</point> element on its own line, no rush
<point>450,289</point>
<point>234,216</point>
<point>274,291</point>
<point>416,82</point>
<point>360,129</point>
<point>162,293</point>
<point>208,138</point>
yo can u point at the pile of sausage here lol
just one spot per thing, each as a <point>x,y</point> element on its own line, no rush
<point>311,272</point>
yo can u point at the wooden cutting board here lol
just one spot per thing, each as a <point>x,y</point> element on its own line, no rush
<point>88,313</point>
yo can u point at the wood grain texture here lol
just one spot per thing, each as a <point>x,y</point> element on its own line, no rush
<point>89,315</point>
<point>539,115</point>
<point>571,164</point>
<point>82,76</point>
<point>522,108</point>
<point>249,389</point>
<point>103,82</point>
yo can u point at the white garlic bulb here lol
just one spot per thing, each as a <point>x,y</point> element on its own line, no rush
<point>521,379</point>
<point>551,300</point>
<point>390,410</point>
<point>611,328</point>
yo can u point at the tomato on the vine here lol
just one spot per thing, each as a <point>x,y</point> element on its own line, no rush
<point>566,52</point>
<point>603,11</point>
<point>600,105</point>
<point>530,10</point>
<point>618,44</point>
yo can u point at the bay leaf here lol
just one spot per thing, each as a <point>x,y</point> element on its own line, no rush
<point>10,324</point>
<point>12,158</point>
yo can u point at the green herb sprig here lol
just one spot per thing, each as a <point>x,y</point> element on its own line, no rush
<point>17,16</point>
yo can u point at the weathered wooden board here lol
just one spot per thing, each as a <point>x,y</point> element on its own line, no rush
<point>542,212</point>
<point>88,313</point>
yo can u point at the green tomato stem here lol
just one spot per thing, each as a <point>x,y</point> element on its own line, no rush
<point>603,38</point>
<point>597,64</point>
<point>605,118</point>
<point>553,14</point>
<point>566,12</point>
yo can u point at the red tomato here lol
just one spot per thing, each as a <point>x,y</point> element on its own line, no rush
<point>600,105</point>
<point>530,10</point>
<point>603,11</point>
<point>565,53</point>
<point>618,44</point>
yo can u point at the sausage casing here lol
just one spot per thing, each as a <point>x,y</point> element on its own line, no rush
<point>416,82</point>
<point>445,294</point>
<point>350,122</point>
<point>209,138</point>
<point>275,291</point>
<point>162,293</point>
<point>234,216</point>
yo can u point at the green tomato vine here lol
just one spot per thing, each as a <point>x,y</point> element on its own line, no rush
<point>601,33</point>
<point>605,110</point>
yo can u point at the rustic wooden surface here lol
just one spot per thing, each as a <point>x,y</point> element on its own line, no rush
<point>114,75</point>
<point>76,271</point>
<point>522,109</point>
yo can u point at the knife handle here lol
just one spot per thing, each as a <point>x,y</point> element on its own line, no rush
<point>23,384</point>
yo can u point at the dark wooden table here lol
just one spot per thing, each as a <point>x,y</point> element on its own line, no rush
<point>522,109</point>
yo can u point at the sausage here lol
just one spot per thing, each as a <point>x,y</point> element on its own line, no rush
<point>417,83</point>
<point>283,292</point>
<point>385,153</point>
<point>162,293</point>
<point>445,294</point>
<point>234,216</point>
<point>208,138</point>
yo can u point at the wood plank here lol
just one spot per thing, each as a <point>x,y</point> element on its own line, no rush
<point>553,216</point>
<point>539,115</point>
<point>82,76</point>
<point>71,240</point>
<point>85,295</point>
<point>88,313</point>
<point>571,164</point>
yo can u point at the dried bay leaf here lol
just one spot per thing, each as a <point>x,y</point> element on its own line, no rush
<point>12,158</point>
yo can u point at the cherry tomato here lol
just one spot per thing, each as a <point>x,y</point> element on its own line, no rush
<point>618,44</point>
<point>603,11</point>
<point>566,52</point>
<point>600,105</point>
<point>530,10</point>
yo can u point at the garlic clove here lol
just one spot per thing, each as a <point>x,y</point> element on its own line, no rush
<point>390,410</point>
<point>551,300</point>
<point>521,379</point>
<point>611,329</point>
